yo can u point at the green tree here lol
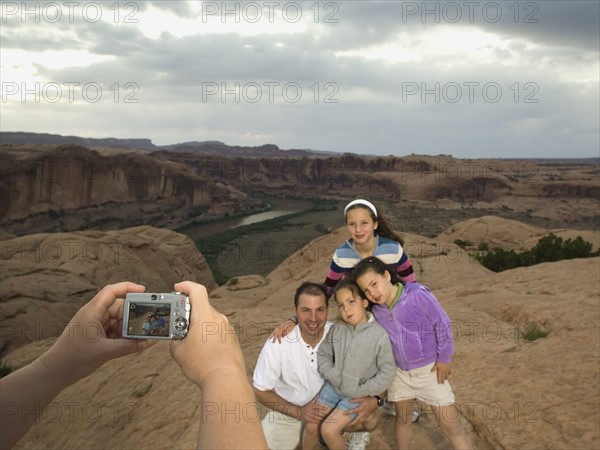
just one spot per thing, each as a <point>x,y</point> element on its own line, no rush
<point>500,259</point>
<point>549,248</point>
<point>577,248</point>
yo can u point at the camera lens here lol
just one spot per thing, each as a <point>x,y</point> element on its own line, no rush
<point>153,297</point>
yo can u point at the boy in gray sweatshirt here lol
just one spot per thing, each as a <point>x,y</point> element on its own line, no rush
<point>356,360</point>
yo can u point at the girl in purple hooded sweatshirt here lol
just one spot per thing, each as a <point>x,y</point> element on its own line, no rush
<point>421,337</point>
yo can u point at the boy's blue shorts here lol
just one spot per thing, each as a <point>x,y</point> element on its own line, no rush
<point>328,396</point>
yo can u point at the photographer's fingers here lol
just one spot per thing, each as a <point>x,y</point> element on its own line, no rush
<point>83,345</point>
<point>202,312</point>
<point>107,308</point>
<point>107,295</point>
<point>190,350</point>
<point>198,297</point>
<point>100,313</point>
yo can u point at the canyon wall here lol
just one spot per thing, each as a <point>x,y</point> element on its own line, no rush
<point>69,187</point>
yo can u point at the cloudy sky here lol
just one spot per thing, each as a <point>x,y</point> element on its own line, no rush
<point>467,78</point>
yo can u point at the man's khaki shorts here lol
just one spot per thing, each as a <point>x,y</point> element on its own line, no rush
<point>282,432</point>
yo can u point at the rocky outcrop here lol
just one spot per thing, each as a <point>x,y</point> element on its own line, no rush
<point>566,190</point>
<point>45,278</point>
<point>508,234</point>
<point>476,188</point>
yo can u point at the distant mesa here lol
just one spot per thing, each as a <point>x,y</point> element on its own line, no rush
<point>202,147</point>
<point>23,138</point>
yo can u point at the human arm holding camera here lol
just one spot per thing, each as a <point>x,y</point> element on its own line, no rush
<point>90,339</point>
<point>211,357</point>
<point>94,336</point>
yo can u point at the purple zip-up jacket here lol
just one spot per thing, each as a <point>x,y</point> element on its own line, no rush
<point>418,327</point>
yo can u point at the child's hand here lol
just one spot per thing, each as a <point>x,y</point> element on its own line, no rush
<point>281,331</point>
<point>443,371</point>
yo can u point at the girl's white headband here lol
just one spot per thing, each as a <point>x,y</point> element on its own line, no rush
<point>360,201</point>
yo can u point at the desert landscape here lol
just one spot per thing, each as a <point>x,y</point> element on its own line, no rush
<point>109,214</point>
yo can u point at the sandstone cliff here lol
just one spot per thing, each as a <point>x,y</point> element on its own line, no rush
<point>71,187</point>
<point>67,188</point>
<point>287,175</point>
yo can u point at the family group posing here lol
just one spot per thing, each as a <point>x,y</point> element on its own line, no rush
<point>393,343</point>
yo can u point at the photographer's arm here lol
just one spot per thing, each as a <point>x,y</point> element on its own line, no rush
<point>30,388</point>
<point>72,357</point>
<point>211,357</point>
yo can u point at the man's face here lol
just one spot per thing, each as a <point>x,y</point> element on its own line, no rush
<point>312,315</point>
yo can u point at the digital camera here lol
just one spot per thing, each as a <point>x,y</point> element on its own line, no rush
<point>156,315</point>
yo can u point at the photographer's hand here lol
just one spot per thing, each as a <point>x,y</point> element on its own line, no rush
<point>211,357</point>
<point>90,339</point>
<point>93,336</point>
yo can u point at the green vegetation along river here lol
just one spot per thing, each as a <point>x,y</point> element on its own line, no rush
<point>258,246</point>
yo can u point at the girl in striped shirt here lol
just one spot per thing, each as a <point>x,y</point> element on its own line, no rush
<point>370,235</point>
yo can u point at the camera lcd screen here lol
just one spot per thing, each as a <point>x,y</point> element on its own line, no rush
<point>149,319</point>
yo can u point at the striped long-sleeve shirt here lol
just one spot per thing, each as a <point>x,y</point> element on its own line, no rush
<point>346,257</point>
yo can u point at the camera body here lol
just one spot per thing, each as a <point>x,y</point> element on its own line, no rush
<point>156,315</point>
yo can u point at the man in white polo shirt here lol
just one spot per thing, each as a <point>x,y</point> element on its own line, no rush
<point>286,377</point>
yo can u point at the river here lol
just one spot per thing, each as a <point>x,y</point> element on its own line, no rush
<point>281,208</point>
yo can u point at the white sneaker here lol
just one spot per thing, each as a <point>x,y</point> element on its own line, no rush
<point>359,440</point>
